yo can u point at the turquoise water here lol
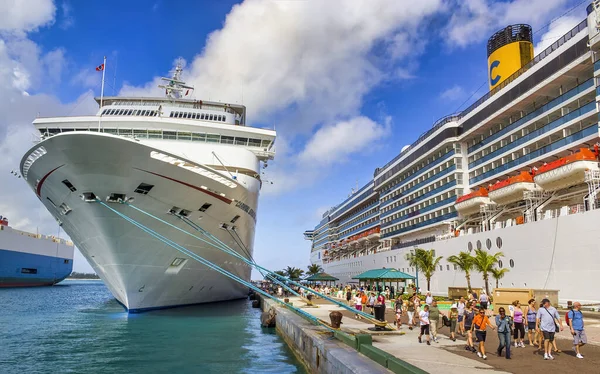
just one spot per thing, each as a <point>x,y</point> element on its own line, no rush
<point>78,327</point>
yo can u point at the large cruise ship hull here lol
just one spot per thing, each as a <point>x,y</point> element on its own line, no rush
<point>142,272</point>
<point>27,261</point>
<point>550,254</point>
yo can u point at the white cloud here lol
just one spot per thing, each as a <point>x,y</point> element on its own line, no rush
<point>304,64</point>
<point>556,30</point>
<point>476,20</point>
<point>453,93</point>
<point>311,61</point>
<point>23,69</point>
<point>330,146</point>
<point>20,16</point>
<point>67,19</point>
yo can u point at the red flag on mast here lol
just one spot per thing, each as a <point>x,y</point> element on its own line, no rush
<point>100,68</point>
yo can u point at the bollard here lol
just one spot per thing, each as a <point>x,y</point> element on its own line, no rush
<point>286,300</point>
<point>336,319</point>
<point>255,303</point>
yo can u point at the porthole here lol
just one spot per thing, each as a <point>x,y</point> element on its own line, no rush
<point>500,264</point>
<point>488,244</point>
<point>512,263</point>
<point>470,246</point>
<point>499,242</point>
<point>479,244</point>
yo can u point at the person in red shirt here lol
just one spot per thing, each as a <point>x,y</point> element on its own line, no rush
<point>480,324</point>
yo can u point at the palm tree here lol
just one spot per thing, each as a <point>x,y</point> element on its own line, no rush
<point>484,263</point>
<point>280,272</point>
<point>498,274</point>
<point>314,269</point>
<point>425,261</point>
<point>293,273</point>
<point>464,261</point>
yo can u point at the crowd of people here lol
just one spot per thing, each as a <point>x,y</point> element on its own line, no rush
<point>469,318</point>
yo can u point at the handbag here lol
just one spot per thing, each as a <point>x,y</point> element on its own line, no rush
<point>556,328</point>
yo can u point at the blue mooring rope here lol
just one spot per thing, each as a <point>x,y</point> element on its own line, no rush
<point>227,249</point>
<point>212,266</point>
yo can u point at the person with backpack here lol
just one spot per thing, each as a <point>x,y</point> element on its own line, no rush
<point>575,322</point>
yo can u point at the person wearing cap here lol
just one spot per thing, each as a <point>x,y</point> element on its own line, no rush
<point>548,322</point>
<point>575,322</point>
<point>453,317</point>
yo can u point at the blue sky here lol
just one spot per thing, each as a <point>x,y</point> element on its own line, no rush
<point>345,83</point>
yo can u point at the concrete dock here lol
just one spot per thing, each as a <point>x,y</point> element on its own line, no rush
<point>404,345</point>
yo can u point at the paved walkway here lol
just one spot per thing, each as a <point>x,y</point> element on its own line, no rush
<point>404,345</point>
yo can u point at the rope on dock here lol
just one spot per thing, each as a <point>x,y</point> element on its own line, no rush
<point>225,248</point>
<point>214,267</point>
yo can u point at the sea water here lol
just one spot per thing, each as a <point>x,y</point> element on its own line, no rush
<point>78,327</point>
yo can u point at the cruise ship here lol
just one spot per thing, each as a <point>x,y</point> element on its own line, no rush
<point>28,259</point>
<point>174,157</point>
<point>516,172</point>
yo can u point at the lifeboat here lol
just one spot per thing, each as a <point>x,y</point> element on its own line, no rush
<point>470,203</point>
<point>567,171</point>
<point>373,234</point>
<point>511,190</point>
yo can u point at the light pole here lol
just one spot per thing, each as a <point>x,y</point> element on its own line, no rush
<point>413,253</point>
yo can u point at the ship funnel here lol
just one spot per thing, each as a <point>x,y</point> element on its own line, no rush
<point>508,50</point>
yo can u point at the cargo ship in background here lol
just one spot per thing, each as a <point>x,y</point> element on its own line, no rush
<point>28,259</point>
<point>179,159</point>
<point>516,172</point>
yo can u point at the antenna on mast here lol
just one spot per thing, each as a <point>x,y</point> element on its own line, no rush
<point>174,88</point>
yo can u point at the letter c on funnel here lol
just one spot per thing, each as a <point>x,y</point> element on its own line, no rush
<point>494,80</point>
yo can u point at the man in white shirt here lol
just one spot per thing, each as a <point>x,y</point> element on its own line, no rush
<point>424,321</point>
<point>548,322</point>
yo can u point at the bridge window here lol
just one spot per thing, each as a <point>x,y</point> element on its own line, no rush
<point>212,138</point>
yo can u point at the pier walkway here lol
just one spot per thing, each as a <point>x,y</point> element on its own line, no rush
<point>451,357</point>
<point>404,345</point>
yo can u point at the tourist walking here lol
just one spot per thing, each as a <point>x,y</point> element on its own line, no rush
<point>358,303</point>
<point>576,325</point>
<point>453,316</point>
<point>461,306</point>
<point>480,324</point>
<point>548,322</point>
<point>519,326</point>
<point>424,322</point>
<point>503,324</point>
<point>371,302</point>
<point>531,313</point>
<point>398,308</point>
<point>483,300</point>
<point>470,312</point>
<point>428,298</point>
<point>363,300</point>
<point>410,310</point>
<point>349,295</point>
<point>434,320</point>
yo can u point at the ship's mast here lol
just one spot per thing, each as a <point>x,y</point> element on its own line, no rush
<point>174,87</point>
